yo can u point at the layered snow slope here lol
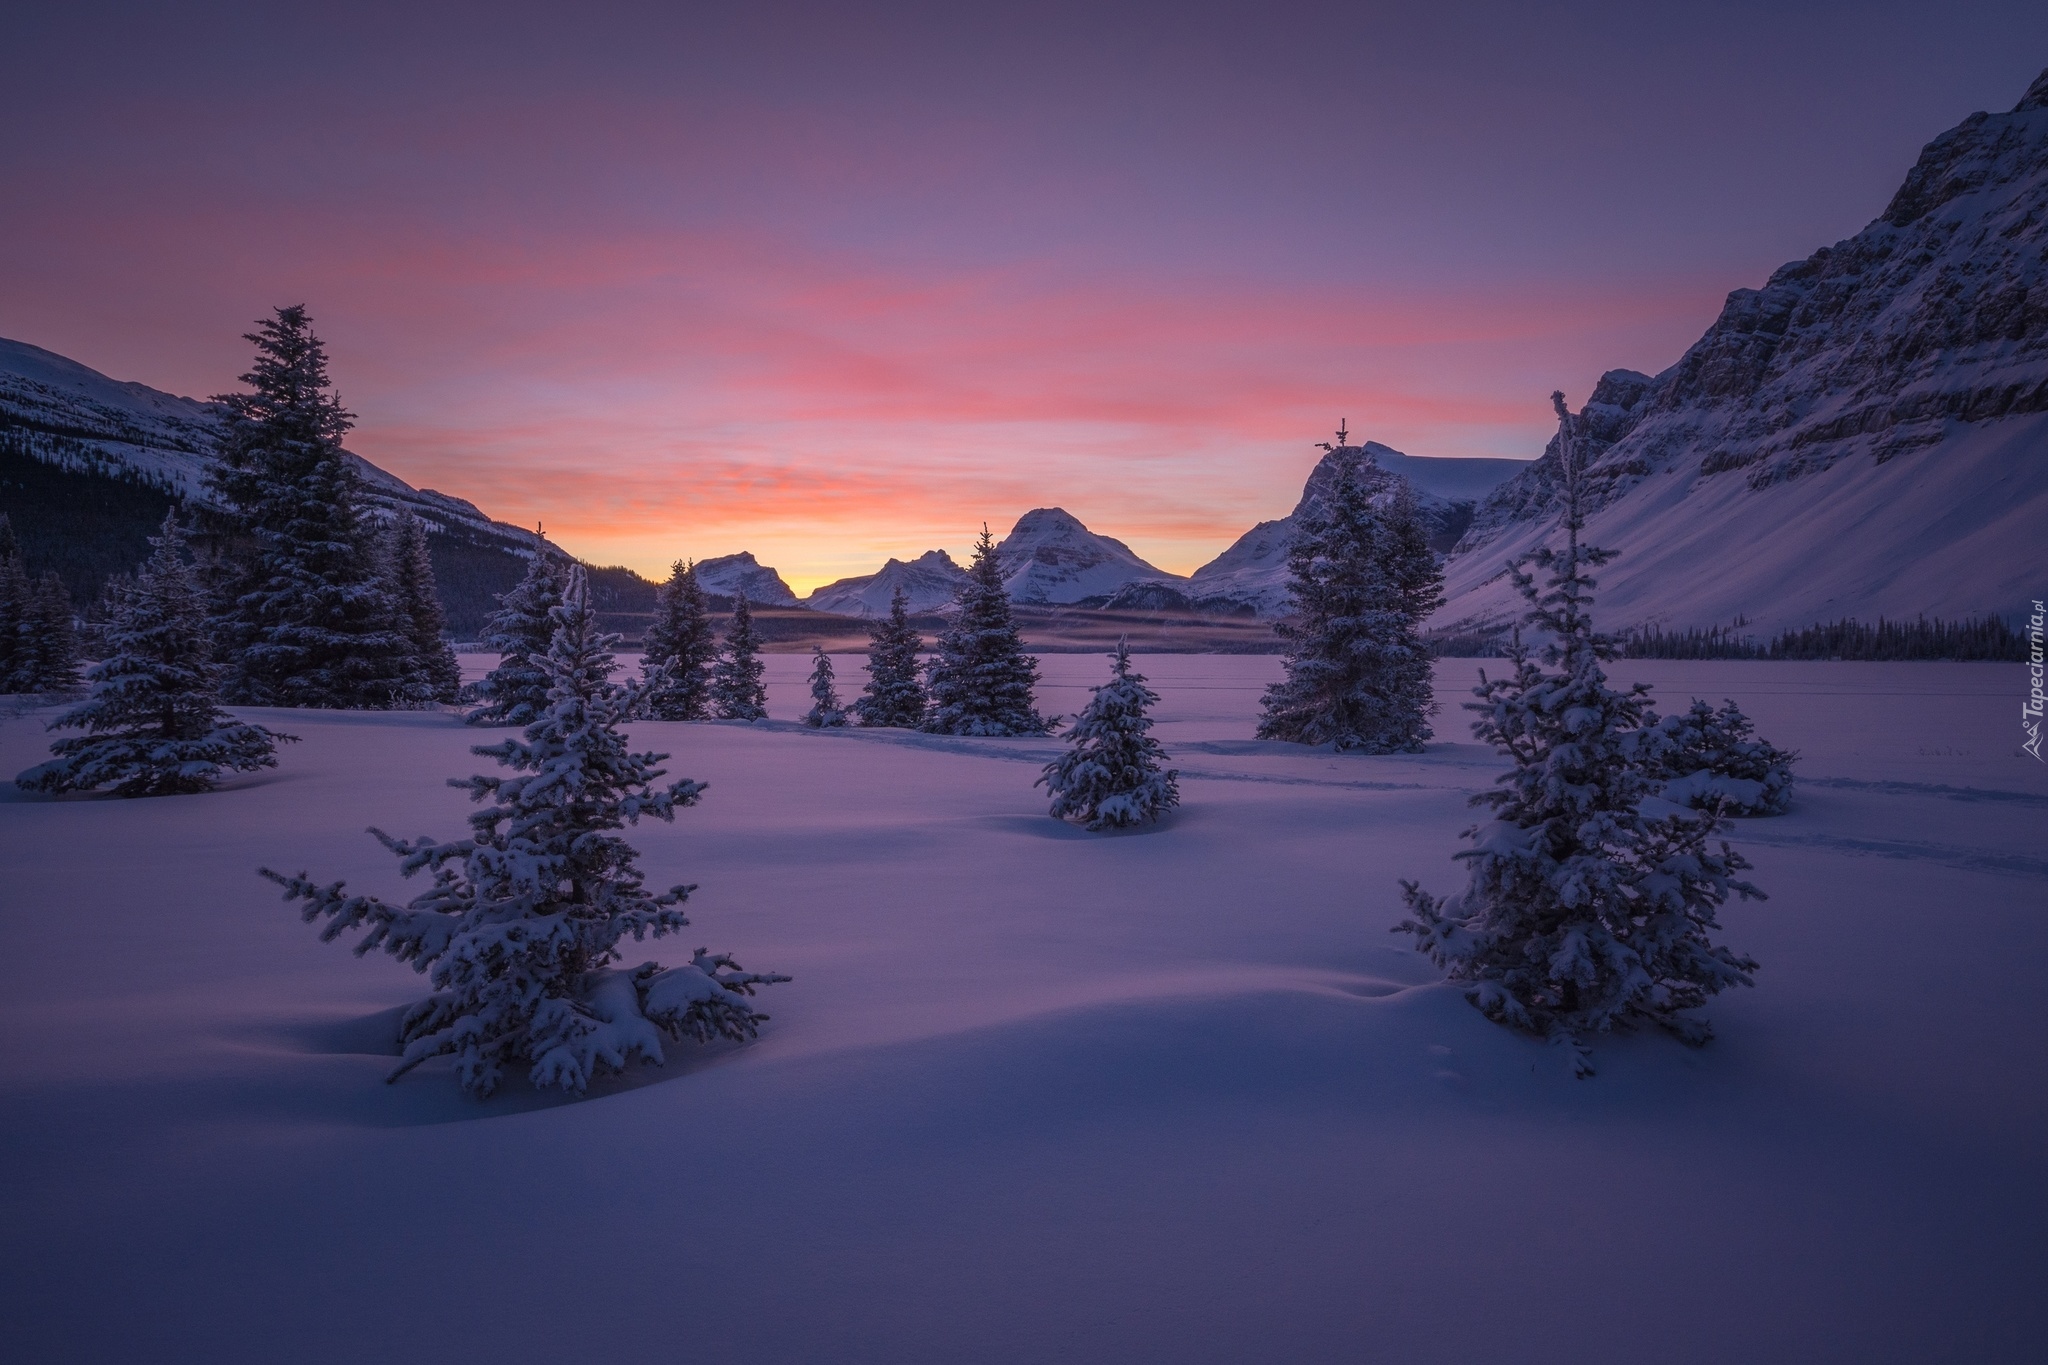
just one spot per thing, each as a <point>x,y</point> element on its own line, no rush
<point>1863,436</point>
<point>1051,557</point>
<point>67,415</point>
<point>928,582</point>
<point>1173,1098</point>
<point>730,575</point>
<point>1253,571</point>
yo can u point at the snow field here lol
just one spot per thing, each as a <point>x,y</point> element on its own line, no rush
<point>1168,1095</point>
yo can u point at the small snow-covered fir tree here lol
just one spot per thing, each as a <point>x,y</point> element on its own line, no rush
<point>981,680</point>
<point>1110,775</point>
<point>1585,912</point>
<point>1712,760</point>
<point>895,691</point>
<point>737,689</point>
<point>153,723</point>
<point>432,673</point>
<point>1362,581</point>
<point>525,917</point>
<point>522,631</point>
<point>826,712</point>
<point>679,649</point>
<point>304,620</point>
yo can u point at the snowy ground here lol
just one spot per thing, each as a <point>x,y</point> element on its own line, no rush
<point>1036,1095</point>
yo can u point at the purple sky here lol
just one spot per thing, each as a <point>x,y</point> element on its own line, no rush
<point>833,283</point>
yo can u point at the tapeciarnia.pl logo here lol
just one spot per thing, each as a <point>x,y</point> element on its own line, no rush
<point>2030,713</point>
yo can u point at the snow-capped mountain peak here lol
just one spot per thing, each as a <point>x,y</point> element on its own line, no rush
<point>731,575</point>
<point>1049,556</point>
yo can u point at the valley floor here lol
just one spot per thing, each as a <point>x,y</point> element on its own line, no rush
<point>1037,1095</point>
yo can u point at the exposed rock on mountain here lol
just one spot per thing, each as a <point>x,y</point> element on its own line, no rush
<point>730,575</point>
<point>1862,436</point>
<point>1051,557</point>
<point>928,582</point>
<point>1253,571</point>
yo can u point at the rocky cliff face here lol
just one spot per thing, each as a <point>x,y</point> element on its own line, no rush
<point>1923,338</point>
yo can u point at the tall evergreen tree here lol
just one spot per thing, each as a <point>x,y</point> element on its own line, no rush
<point>521,631</point>
<point>737,689</point>
<point>826,712</point>
<point>52,663</point>
<point>895,691</point>
<point>433,675</point>
<point>679,649</point>
<point>1583,913</point>
<point>526,916</point>
<point>305,621</point>
<point>1110,775</point>
<point>981,679</point>
<point>17,616</point>
<point>153,724</point>
<point>38,628</point>
<point>1363,580</point>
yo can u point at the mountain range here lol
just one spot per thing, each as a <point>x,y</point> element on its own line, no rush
<point>1865,435</point>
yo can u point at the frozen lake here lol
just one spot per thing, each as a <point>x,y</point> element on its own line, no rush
<point>1034,1094</point>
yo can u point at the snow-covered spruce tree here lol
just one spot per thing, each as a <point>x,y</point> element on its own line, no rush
<point>679,649</point>
<point>304,620</point>
<point>521,631</point>
<point>1712,760</point>
<point>981,680</point>
<point>153,723</point>
<point>737,691</point>
<point>432,673</point>
<point>895,691</point>
<point>1584,912</point>
<point>525,917</point>
<point>1363,580</point>
<point>1110,774</point>
<point>826,713</point>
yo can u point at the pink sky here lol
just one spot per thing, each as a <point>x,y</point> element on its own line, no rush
<point>832,285</point>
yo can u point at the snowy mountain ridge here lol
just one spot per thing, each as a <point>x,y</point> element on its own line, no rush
<point>929,582</point>
<point>1861,436</point>
<point>1253,571</point>
<point>731,575</point>
<point>73,417</point>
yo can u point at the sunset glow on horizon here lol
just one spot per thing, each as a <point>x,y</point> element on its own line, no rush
<point>831,287</point>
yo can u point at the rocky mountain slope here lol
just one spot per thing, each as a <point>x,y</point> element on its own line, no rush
<point>1865,435</point>
<point>1253,571</point>
<point>929,582</point>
